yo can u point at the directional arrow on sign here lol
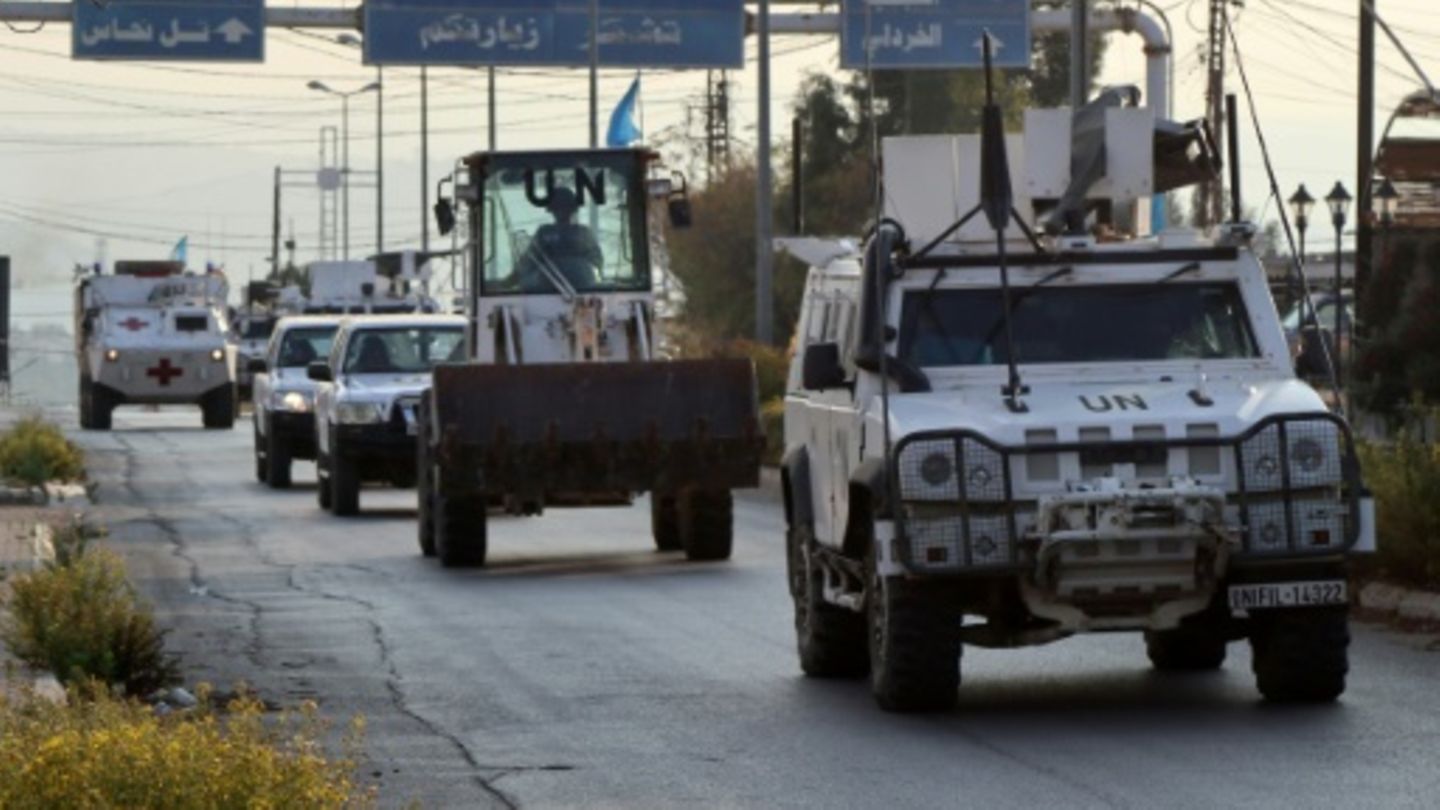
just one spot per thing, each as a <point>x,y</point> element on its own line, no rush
<point>234,31</point>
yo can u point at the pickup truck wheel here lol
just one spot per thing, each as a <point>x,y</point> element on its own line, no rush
<point>322,481</point>
<point>344,482</point>
<point>665,522</point>
<point>218,408</point>
<point>830,639</point>
<point>1299,655</point>
<point>914,640</point>
<point>461,534</point>
<point>707,522</point>
<point>425,502</point>
<point>278,457</point>
<point>262,474</point>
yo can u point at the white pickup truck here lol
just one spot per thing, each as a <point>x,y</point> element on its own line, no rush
<point>283,394</point>
<point>366,395</point>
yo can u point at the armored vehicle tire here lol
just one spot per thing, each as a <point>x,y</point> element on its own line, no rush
<point>261,473</point>
<point>86,420</point>
<point>914,640</point>
<point>707,524</point>
<point>1192,648</point>
<point>829,639</point>
<point>277,462</point>
<point>218,408</point>
<point>665,521</point>
<point>461,533</point>
<point>344,484</point>
<point>1299,655</point>
<point>101,408</point>
<point>322,484</point>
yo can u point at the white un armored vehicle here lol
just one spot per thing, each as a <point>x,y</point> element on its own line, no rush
<point>152,334</point>
<point>1005,440</point>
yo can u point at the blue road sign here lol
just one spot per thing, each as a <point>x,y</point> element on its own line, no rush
<point>632,33</point>
<point>909,34</point>
<point>206,30</point>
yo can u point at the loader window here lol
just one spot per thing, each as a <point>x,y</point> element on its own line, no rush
<point>1094,324</point>
<point>561,222</point>
<point>413,350</point>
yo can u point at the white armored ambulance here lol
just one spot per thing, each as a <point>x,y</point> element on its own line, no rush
<point>152,334</point>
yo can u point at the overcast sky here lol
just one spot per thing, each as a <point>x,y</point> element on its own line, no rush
<point>141,154</point>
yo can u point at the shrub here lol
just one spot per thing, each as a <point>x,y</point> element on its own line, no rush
<point>35,451</point>
<point>81,621</point>
<point>772,419</point>
<point>1404,475</point>
<point>113,753</point>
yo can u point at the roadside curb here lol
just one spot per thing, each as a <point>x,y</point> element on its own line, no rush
<point>1403,603</point>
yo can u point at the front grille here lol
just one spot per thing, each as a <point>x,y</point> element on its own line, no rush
<point>1293,485</point>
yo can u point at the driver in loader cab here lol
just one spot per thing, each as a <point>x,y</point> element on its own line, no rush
<point>564,245</point>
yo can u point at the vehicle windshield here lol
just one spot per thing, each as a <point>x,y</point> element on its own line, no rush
<point>403,350</point>
<point>579,220</point>
<point>301,347</point>
<point>1101,323</point>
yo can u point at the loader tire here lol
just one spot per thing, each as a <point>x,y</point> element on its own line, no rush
<point>460,530</point>
<point>87,421</point>
<point>707,524</point>
<point>914,640</point>
<point>830,640</point>
<point>1299,655</point>
<point>277,461</point>
<point>665,522</point>
<point>217,409</point>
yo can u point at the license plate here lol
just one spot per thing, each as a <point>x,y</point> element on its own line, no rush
<point>1288,595</point>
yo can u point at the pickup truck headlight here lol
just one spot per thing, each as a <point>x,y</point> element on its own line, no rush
<point>293,401</point>
<point>359,413</point>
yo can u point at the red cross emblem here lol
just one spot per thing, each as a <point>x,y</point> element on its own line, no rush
<point>164,372</point>
<point>134,324</point>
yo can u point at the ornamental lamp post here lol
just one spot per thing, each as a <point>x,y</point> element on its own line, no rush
<point>1339,202</point>
<point>1300,203</point>
<point>1385,201</point>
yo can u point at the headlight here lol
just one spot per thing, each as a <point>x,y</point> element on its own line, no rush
<point>296,401</point>
<point>927,471</point>
<point>217,354</point>
<point>112,355</point>
<point>1311,456</point>
<point>359,413</point>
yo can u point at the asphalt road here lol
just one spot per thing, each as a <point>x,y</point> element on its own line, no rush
<point>582,669</point>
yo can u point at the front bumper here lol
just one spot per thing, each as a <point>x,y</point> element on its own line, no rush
<point>295,429</point>
<point>382,441</point>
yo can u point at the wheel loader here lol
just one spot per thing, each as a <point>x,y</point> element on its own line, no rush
<point>563,400</point>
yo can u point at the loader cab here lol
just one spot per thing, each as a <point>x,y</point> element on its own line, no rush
<point>561,223</point>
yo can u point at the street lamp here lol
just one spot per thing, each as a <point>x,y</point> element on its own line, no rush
<point>1339,202</point>
<point>1300,203</point>
<point>344,151</point>
<point>1385,201</point>
<point>353,41</point>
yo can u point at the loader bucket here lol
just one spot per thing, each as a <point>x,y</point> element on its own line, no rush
<point>599,427</point>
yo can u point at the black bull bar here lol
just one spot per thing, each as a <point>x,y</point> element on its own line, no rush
<point>599,427</point>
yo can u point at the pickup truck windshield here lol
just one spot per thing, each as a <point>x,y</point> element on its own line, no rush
<point>1098,323</point>
<point>301,347</point>
<point>413,350</point>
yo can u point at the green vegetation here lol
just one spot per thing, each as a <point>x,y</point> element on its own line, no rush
<point>105,752</point>
<point>34,452</point>
<point>79,618</point>
<point>1404,475</point>
<point>1399,360</point>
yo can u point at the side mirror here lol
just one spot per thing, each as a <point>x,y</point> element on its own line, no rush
<point>319,371</point>
<point>821,368</point>
<point>444,216</point>
<point>256,365</point>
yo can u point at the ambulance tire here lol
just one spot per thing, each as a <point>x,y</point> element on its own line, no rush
<point>218,408</point>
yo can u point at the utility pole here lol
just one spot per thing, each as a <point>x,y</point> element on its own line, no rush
<point>424,160</point>
<point>275,228</point>
<point>594,74</point>
<point>1211,204</point>
<point>717,122</point>
<point>379,160</point>
<point>1079,54</point>
<point>490,104</point>
<point>1365,148</point>
<point>764,256</point>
